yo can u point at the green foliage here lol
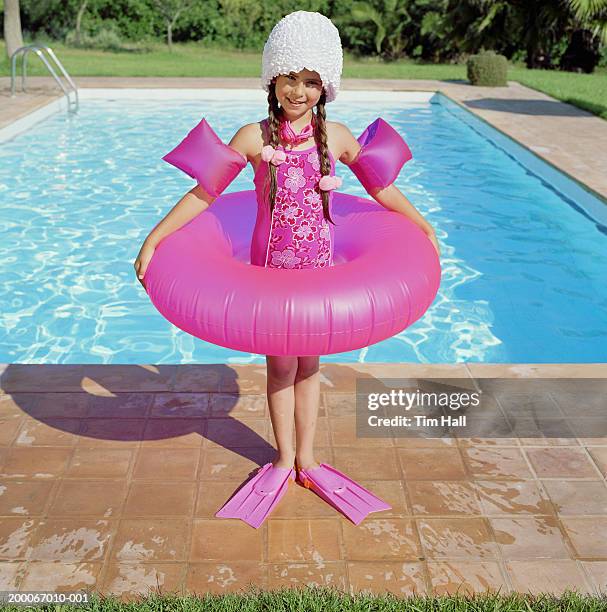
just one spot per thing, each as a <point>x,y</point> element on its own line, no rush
<point>488,69</point>
<point>437,31</point>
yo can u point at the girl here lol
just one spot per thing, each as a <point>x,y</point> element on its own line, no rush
<point>293,153</point>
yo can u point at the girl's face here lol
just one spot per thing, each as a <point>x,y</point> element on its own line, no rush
<point>298,92</point>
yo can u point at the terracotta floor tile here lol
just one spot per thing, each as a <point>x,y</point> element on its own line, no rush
<point>174,433</point>
<point>588,536</point>
<point>577,496</point>
<point>303,541</point>
<point>229,577</point>
<point>89,498</point>
<point>70,540</point>
<point>241,433</point>
<point>465,441</point>
<point>340,404</point>
<point>597,571</point>
<point>421,442</point>
<point>15,537</point>
<point>57,576</point>
<point>51,432</point>
<point>496,463</point>
<point>367,463</point>
<point>222,464</point>
<point>180,405</point>
<point>383,539</point>
<point>198,378</point>
<point>21,377</point>
<point>529,404</point>
<point>590,431</point>
<point>466,577</point>
<point>133,580</point>
<point>443,498</point>
<point>24,497</point>
<point>54,405</point>
<point>246,379</point>
<point>456,538</point>
<point>324,573</point>
<point>126,377</point>
<point>343,433</point>
<point>151,499</point>
<point>599,456</point>
<point>226,540</point>
<point>9,426</point>
<point>392,492</point>
<point>150,540</point>
<point>11,575</point>
<point>535,537</point>
<point>580,403</point>
<point>512,497</point>
<point>166,464</point>
<point>100,463</point>
<point>36,462</point>
<point>111,433</point>
<point>211,496</point>
<point>120,406</point>
<point>19,404</point>
<point>553,576</point>
<point>236,405</point>
<point>432,464</point>
<point>561,463</point>
<point>402,579</point>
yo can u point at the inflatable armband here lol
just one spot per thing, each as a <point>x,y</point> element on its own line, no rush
<point>203,156</point>
<point>381,157</point>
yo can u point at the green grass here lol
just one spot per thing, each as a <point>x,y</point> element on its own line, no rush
<point>587,91</point>
<point>330,600</point>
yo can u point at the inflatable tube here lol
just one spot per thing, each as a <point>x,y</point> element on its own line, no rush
<point>386,273</point>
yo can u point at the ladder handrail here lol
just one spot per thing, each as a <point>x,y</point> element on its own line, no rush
<point>39,51</point>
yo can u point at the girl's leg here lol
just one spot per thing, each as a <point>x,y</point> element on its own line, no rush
<point>281,402</point>
<point>307,402</point>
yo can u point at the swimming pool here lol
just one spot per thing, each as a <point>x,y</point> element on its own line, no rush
<point>524,261</point>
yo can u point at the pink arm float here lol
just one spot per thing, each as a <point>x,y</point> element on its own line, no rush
<point>381,157</point>
<point>203,156</point>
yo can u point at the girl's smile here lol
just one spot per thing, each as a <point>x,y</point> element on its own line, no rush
<point>298,93</point>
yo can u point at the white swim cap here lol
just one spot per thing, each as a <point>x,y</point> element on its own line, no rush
<point>304,40</point>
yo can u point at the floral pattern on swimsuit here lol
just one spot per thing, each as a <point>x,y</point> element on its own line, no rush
<point>300,236</point>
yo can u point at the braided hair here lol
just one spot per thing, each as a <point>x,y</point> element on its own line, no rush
<point>320,137</point>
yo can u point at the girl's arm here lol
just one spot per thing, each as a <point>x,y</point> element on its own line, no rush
<point>389,197</point>
<point>191,204</point>
<point>197,199</point>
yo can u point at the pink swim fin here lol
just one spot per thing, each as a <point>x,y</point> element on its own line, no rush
<point>339,491</point>
<point>254,501</point>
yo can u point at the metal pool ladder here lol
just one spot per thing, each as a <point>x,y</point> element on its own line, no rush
<point>40,50</point>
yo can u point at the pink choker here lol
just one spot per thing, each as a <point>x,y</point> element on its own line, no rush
<point>288,135</point>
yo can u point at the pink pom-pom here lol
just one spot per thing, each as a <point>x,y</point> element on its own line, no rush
<point>328,183</point>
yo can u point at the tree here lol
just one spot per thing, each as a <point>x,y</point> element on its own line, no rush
<point>79,15</point>
<point>170,11</point>
<point>589,31</point>
<point>12,27</point>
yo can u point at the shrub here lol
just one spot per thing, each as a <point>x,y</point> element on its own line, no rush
<point>487,68</point>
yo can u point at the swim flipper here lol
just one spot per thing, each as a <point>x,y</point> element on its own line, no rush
<point>341,492</point>
<point>256,498</point>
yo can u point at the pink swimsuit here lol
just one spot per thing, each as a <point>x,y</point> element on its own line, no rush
<point>296,235</point>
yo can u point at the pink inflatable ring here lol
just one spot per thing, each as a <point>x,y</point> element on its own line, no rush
<point>386,274</point>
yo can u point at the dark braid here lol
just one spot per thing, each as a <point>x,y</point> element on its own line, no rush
<point>320,137</point>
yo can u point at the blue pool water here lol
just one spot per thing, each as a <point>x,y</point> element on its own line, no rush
<point>524,267</point>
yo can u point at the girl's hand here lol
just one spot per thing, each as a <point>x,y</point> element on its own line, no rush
<point>143,259</point>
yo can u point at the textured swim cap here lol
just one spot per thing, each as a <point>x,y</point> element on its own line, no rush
<point>304,40</point>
